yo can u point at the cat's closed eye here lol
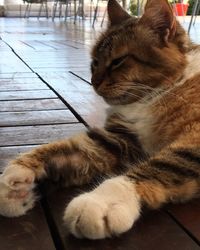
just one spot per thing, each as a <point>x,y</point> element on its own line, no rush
<point>95,63</point>
<point>118,61</point>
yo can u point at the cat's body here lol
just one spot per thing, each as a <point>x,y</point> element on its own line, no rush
<point>145,117</point>
<point>148,71</point>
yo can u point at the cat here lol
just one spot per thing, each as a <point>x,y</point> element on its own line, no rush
<point>147,70</point>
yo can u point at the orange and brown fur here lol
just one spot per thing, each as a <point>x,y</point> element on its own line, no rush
<point>148,70</point>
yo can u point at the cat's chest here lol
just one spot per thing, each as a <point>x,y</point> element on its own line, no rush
<point>139,119</point>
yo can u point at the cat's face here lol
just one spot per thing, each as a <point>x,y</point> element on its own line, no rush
<point>134,56</point>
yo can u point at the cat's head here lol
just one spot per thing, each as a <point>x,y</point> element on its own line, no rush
<point>135,56</point>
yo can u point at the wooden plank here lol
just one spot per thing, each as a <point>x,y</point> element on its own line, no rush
<point>188,215</point>
<point>28,232</point>
<point>57,59</point>
<point>10,63</point>
<point>63,61</point>
<point>25,105</point>
<point>155,230</point>
<point>25,79</point>
<point>86,74</point>
<point>63,44</point>
<point>11,86</point>
<point>4,46</point>
<point>21,95</point>
<point>36,117</point>
<point>38,45</point>
<point>18,45</point>
<point>57,70</point>
<point>9,153</point>
<point>56,55</point>
<point>59,46</point>
<point>31,135</point>
<point>80,96</point>
<point>17,75</point>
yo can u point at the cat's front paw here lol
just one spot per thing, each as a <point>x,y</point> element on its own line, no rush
<point>16,191</point>
<point>109,210</point>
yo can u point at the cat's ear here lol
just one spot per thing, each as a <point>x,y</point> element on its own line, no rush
<point>159,16</point>
<point>116,13</point>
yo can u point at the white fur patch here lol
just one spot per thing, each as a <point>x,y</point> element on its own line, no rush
<point>193,67</point>
<point>110,209</point>
<point>139,119</point>
<point>16,191</point>
<point>14,206</point>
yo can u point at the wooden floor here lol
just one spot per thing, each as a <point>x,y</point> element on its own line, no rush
<point>45,94</point>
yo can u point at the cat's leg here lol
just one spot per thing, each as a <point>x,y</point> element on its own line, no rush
<point>73,161</point>
<point>109,210</point>
<point>16,191</point>
<point>114,206</point>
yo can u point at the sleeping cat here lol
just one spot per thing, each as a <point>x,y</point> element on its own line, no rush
<point>148,70</point>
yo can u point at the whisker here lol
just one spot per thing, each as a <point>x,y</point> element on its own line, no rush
<point>149,93</point>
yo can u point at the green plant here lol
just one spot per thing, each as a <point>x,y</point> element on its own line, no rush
<point>133,7</point>
<point>191,4</point>
<point>177,1</point>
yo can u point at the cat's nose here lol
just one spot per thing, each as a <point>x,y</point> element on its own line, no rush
<point>96,81</point>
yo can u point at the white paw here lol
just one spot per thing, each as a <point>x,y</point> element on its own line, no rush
<point>16,191</point>
<point>109,210</point>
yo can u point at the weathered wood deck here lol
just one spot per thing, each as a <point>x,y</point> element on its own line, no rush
<point>45,94</point>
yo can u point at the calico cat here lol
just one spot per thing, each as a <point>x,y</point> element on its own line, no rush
<point>148,70</point>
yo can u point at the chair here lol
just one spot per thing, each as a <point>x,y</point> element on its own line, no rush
<point>139,9</point>
<point>195,11</point>
<point>96,9</point>
<point>140,5</point>
<point>60,3</point>
<point>43,4</point>
<point>80,10</point>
